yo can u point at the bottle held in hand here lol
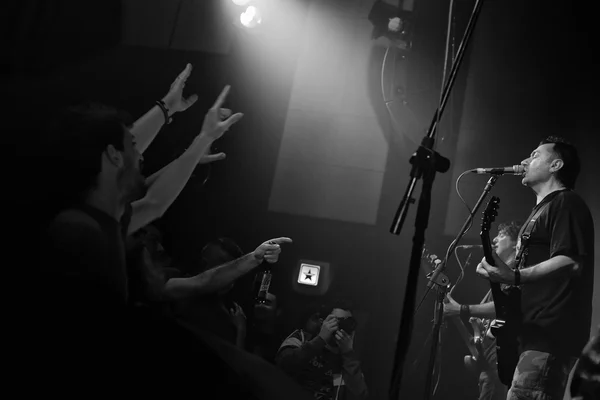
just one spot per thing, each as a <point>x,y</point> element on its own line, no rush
<point>264,278</point>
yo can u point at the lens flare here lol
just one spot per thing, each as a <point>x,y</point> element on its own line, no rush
<point>251,17</point>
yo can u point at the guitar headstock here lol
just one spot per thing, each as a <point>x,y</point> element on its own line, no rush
<point>489,214</point>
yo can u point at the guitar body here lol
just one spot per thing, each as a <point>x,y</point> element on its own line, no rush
<point>507,302</point>
<point>472,365</point>
<point>506,330</point>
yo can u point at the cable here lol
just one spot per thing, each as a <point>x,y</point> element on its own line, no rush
<point>447,50</point>
<point>172,35</point>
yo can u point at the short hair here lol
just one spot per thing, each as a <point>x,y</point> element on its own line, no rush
<point>511,229</point>
<point>339,302</point>
<point>78,138</point>
<point>564,150</point>
<point>226,245</point>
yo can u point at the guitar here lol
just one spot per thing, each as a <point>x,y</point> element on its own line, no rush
<point>474,361</point>
<point>507,301</point>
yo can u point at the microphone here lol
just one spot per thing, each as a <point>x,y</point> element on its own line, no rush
<point>470,246</point>
<point>514,170</point>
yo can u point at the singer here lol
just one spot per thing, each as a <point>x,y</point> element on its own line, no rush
<point>556,275</point>
<point>490,387</point>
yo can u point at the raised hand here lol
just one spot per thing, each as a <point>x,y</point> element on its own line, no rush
<point>174,99</point>
<point>328,328</point>
<point>238,318</point>
<point>269,251</point>
<point>218,120</point>
<point>344,341</point>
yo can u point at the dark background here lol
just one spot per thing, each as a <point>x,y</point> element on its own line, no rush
<point>531,71</point>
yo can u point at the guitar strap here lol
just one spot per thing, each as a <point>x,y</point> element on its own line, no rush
<point>523,245</point>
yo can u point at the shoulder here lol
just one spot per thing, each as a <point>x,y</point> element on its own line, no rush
<point>570,198</point>
<point>74,225</point>
<point>570,202</point>
<point>295,339</point>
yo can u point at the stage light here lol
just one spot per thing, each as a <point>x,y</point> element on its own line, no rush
<point>240,2</point>
<point>251,17</point>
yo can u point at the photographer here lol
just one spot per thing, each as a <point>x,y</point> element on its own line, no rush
<point>321,357</point>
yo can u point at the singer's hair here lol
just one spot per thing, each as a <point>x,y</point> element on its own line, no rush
<point>564,150</point>
<point>511,229</point>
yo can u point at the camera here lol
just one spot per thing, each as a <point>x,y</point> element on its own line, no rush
<point>348,325</point>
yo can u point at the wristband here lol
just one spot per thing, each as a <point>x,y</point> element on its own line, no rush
<point>465,311</point>
<point>165,111</point>
<point>517,277</point>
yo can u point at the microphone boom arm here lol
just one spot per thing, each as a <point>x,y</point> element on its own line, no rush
<point>425,162</point>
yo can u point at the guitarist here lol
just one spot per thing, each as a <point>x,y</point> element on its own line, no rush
<point>490,387</point>
<point>556,274</point>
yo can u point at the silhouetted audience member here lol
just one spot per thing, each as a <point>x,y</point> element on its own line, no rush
<point>81,280</point>
<point>321,357</point>
<point>262,337</point>
<point>216,311</point>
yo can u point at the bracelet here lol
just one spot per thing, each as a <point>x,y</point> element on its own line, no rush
<point>165,111</point>
<point>465,311</point>
<point>517,277</point>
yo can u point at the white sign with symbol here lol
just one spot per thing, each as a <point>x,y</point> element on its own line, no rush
<point>309,274</point>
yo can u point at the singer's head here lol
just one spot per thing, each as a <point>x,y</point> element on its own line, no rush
<point>505,242</point>
<point>554,162</point>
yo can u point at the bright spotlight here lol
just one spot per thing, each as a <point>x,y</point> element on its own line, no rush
<point>240,2</point>
<point>251,17</point>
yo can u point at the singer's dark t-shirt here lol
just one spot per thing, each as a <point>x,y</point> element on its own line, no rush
<point>557,310</point>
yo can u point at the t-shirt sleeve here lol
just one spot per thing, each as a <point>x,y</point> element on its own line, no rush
<point>569,227</point>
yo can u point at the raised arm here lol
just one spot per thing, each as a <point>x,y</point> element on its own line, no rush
<point>148,125</point>
<point>166,186</point>
<point>218,278</point>
<point>351,370</point>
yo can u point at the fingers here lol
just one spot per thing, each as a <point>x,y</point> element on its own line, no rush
<point>272,249</point>
<point>209,158</point>
<point>222,97</point>
<point>329,318</point>
<point>224,113</point>
<point>281,240</point>
<point>481,271</point>
<point>226,124</point>
<point>190,101</point>
<point>185,73</point>
<point>341,335</point>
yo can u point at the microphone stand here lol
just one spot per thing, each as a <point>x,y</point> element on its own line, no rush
<point>425,163</point>
<point>442,282</point>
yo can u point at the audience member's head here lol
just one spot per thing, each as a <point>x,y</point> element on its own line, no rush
<point>219,252</point>
<point>339,308</point>
<point>91,149</point>
<point>147,262</point>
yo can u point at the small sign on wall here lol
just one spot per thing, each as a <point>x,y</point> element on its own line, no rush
<point>312,277</point>
<point>308,274</point>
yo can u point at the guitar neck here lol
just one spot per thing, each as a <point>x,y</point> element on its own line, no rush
<point>466,336</point>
